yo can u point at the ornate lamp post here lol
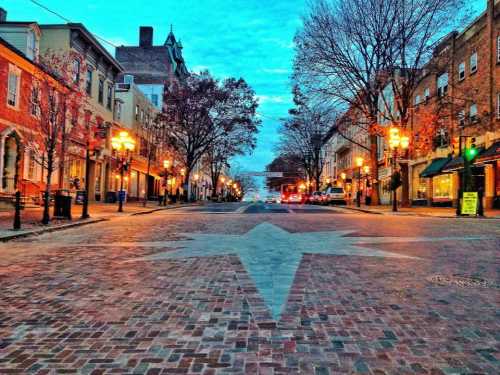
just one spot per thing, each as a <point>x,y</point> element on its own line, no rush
<point>166,166</point>
<point>396,143</point>
<point>196,177</point>
<point>122,145</point>
<point>359,164</point>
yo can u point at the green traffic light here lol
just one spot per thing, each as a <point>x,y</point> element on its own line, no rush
<point>471,153</point>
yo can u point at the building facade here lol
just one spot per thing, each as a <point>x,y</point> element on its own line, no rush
<point>99,70</point>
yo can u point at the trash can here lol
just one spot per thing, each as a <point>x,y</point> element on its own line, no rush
<point>80,196</point>
<point>123,196</point>
<point>62,205</point>
<point>110,197</point>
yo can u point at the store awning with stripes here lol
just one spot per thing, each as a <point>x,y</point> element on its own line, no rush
<point>435,167</point>
<point>492,153</point>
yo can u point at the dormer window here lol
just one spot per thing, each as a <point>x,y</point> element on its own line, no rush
<point>31,48</point>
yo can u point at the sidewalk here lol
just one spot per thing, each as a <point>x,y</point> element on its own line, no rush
<point>31,217</point>
<point>444,212</point>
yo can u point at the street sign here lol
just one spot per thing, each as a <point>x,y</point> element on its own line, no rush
<point>469,203</point>
<point>264,174</point>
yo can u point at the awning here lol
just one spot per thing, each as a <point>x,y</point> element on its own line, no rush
<point>492,153</point>
<point>434,168</point>
<point>457,163</point>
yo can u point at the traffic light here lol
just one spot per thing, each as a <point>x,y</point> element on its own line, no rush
<point>471,148</point>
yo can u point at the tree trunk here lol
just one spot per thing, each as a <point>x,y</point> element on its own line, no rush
<point>374,169</point>
<point>405,185</point>
<point>46,203</point>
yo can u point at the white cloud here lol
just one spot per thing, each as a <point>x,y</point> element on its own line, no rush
<point>271,99</point>
<point>276,71</point>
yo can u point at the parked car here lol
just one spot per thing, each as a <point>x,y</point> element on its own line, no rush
<point>316,197</point>
<point>294,198</point>
<point>273,198</point>
<point>335,195</point>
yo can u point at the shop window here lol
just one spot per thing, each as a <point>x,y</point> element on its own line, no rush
<point>461,71</point>
<point>419,184</point>
<point>473,62</point>
<point>441,186</point>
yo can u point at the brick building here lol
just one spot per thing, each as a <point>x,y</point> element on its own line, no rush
<point>460,98</point>
<point>154,68</point>
<point>19,120</point>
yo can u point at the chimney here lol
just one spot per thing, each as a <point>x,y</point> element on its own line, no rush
<point>145,36</point>
<point>3,15</point>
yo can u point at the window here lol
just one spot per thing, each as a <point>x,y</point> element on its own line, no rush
<point>31,50</point>
<point>136,113</point>
<point>142,115</point>
<point>100,97</point>
<point>154,99</point>
<point>441,186</point>
<point>76,71</point>
<point>35,100</point>
<point>473,112</point>
<point>498,48</point>
<point>417,100</point>
<point>88,82</point>
<point>31,166</point>
<point>13,86</point>
<point>461,118</point>
<point>118,110</point>
<point>461,71</point>
<point>109,97</point>
<point>498,106</point>
<point>442,84</point>
<point>427,94</point>
<point>473,62</point>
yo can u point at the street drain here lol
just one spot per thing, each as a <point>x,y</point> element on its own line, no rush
<point>462,281</point>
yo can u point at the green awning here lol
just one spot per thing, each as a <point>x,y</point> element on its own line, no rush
<point>434,168</point>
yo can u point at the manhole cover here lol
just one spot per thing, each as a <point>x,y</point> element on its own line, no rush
<point>462,281</point>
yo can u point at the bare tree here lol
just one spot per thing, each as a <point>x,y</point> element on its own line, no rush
<point>203,111</point>
<point>303,135</point>
<point>347,51</point>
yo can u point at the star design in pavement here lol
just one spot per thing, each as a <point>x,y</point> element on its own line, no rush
<point>272,255</point>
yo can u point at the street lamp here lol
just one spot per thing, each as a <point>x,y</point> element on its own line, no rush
<point>196,177</point>
<point>122,145</point>
<point>359,164</point>
<point>166,166</point>
<point>396,143</point>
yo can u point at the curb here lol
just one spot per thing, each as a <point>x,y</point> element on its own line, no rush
<point>362,210</point>
<point>37,232</point>
<point>416,214</point>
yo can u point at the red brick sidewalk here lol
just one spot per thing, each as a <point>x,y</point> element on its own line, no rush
<point>31,216</point>
<point>417,211</point>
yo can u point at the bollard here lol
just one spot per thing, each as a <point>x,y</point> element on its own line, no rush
<point>17,212</point>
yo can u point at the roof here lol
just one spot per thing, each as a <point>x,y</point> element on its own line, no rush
<point>458,162</point>
<point>491,153</point>
<point>90,38</point>
<point>435,167</point>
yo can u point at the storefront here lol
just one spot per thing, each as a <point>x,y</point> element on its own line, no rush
<point>384,178</point>
<point>490,161</point>
<point>419,190</point>
<point>433,184</point>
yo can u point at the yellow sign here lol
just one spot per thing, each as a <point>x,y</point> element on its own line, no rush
<point>469,203</point>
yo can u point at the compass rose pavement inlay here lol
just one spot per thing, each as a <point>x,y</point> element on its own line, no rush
<point>271,255</point>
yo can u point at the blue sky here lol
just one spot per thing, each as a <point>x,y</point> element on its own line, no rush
<point>252,39</point>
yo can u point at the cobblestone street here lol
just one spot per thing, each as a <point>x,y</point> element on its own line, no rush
<point>197,290</point>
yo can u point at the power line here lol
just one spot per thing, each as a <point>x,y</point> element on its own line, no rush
<point>69,21</point>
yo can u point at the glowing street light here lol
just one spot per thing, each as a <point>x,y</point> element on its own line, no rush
<point>123,144</point>
<point>396,142</point>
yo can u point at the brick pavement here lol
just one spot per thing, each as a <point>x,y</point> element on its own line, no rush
<point>418,211</point>
<point>68,308</point>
